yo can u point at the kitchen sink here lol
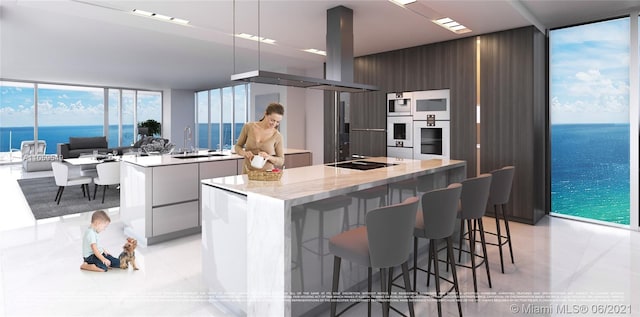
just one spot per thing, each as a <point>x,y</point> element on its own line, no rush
<point>187,156</point>
<point>361,165</point>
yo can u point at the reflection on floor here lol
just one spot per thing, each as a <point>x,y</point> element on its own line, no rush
<point>558,262</point>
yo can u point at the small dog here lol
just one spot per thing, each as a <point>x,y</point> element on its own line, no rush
<point>128,255</point>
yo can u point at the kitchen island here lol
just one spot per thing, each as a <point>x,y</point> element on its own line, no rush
<point>160,194</point>
<point>248,234</point>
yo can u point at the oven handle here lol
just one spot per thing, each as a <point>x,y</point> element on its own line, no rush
<point>370,130</point>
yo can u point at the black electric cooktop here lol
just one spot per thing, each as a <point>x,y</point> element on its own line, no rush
<point>361,165</point>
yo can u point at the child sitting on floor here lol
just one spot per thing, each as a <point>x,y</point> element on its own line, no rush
<point>95,257</point>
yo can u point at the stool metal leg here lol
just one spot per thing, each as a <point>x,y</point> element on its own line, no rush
<point>429,258</point>
<point>407,288</point>
<point>460,241</point>
<point>369,278</point>
<point>415,262</point>
<point>321,245</point>
<point>454,273</point>
<point>384,289</point>
<point>499,235</point>
<point>472,243</point>
<point>334,286</point>
<point>434,253</point>
<point>506,225</point>
<point>484,249</point>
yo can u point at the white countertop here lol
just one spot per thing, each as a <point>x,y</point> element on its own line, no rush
<point>161,160</point>
<point>303,184</point>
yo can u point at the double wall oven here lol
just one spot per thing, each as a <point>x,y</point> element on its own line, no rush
<point>400,125</point>
<point>425,133</point>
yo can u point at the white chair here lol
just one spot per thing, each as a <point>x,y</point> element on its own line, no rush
<point>108,174</point>
<point>61,175</point>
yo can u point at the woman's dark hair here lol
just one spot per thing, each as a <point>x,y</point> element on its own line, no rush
<point>274,107</point>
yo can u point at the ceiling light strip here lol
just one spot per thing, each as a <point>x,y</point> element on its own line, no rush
<point>256,38</point>
<point>316,51</point>
<point>403,2</point>
<point>452,25</point>
<point>160,17</point>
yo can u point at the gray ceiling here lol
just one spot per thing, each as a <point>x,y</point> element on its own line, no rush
<point>102,43</point>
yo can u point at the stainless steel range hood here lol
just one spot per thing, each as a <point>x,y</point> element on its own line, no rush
<point>272,78</point>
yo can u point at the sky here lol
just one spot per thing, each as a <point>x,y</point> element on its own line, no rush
<point>589,68</point>
<point>69,105</point>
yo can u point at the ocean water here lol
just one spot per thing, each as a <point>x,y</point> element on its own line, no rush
<point>590,171</point>
<point>53,135</point>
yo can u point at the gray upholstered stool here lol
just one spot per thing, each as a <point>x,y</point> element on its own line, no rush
<point>322,207</point>
<point>383,243</point>
<point>501,181</point>
<point>437,221</point>
<point>409,184</point>
<point>473,204</point>
<point>363,196</point>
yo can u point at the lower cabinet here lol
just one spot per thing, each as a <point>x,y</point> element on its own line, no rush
<point>172,218</point>
<point>162,202</point>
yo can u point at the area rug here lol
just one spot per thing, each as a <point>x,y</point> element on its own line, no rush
<point>41,193</point>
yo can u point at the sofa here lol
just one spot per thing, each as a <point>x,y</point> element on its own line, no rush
<point>80,145</point>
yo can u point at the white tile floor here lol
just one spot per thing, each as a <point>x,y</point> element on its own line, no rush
<point>558,262</point>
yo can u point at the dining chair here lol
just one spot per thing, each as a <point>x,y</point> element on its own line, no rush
<point>108,174</point>
<point>385,242</point>
<point>61,175</point>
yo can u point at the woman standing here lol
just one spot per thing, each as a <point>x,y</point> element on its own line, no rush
<point>262,138</point>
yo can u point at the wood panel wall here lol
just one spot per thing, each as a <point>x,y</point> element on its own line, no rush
<point>437,66</point>
<point>512,96</point>
<point>512,103</point>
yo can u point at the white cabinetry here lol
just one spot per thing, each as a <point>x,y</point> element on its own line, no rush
<point>160,196</point>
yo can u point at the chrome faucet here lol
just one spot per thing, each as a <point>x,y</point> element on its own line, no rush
<point>188,140</point>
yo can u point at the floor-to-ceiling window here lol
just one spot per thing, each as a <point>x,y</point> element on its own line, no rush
<point>202,117</point>
<point>240,109</point>
<point>589,109</point>
<point>64,111</point>
<point>215,99</point>
<point>17,115</point>
<point>221,113</point>
<point>114,102</point>
<point>69,111</point>
<point>149,106</point>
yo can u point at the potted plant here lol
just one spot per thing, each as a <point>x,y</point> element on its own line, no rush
<point>152,125</point>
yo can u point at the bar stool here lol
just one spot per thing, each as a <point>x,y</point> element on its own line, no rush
<point>474,196</point>
<point>363,196</point>
<point>501,181</point>
<point>409,184</point>
<point>324,206</point>
<point>437,221</point>
<point>383,243</point>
